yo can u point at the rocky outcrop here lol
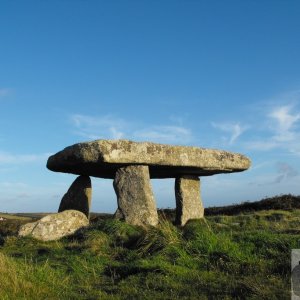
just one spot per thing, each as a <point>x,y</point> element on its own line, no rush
<point>78,197</point>
<point>136,204</point>
<point>55,226</point>
<point>188,202</point>
<point>102,158</point>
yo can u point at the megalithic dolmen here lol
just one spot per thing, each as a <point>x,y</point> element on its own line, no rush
<point>132,164</point>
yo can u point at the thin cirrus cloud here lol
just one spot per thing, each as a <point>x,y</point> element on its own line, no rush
<point>5,92</point>
<point>285,171</point>
<point>98,127</point>
<point>235,130</point>
<point>283,131</point>
<point>111,127</point>
<point>285,123</point>
<point>9,158</point>
<point>165,134</point>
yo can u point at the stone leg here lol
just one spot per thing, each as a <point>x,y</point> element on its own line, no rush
<point>136,204</point>
<point>188,199</point>
<point>78,196</point>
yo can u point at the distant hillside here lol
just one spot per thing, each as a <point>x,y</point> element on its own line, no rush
<point>20,217</point>
<point>285,202</point>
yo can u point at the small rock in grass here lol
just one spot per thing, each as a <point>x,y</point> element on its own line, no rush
<point>55,226</point>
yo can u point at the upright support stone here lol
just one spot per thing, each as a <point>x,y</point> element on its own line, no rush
<point>188,199</point>
<point>136,203</point>
<point>78,196</point>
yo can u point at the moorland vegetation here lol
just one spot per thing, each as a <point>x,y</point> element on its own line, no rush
<point>234,253</point>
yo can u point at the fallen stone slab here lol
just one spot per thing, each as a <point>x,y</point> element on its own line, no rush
<point>55,226</point>
<point>102,158</point>
<point>78,196</point>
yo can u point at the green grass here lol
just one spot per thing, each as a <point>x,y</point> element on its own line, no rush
<point>246,256</point>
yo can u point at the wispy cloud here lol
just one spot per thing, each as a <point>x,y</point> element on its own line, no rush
<point>235,130</point>
<point>282,131</point>
<point>285,171</point>
<point>165,134</point>
<point>5,92</point>
<point>15,185</point>
<point>262,145</point>
<point>285,123</point>
<point>9,158</point>
<point>112,127</point>
<point>98,127</point>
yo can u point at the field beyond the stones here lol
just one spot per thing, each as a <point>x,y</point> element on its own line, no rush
<point>238,252</point>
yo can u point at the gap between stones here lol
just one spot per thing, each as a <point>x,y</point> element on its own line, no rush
<point>135,197</point>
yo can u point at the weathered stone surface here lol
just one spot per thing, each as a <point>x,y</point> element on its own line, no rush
<point>188,199</point>
<point>102,158</point>
<point>55,226</point>
<point>136,204</point>
<point>78,197</point>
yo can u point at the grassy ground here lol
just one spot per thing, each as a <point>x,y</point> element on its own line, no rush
<point>245,256</point>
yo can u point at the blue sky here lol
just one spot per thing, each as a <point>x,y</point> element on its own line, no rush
<point>214,74</point>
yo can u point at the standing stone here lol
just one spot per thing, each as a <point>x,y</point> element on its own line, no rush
<point>188,201</point>
<point>78,197</point>
<point>136,204</point>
